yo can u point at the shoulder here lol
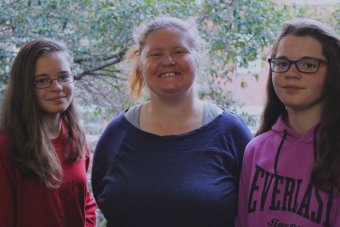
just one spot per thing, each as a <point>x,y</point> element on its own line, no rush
<point>113,134</point>
<point>3,138</point>
<point>4,149</point>
<point>3,144</point>
<point>262,138</point>
<point>231,118</point>
<point>115,122</point>
<point>232,122</point>
<point>261,143</point>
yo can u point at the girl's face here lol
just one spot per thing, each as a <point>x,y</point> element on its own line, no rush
<point>56,98</point>
<point>298,90</point>
<point>168,63</point>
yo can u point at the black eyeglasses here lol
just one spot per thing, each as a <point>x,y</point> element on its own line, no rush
<point>45,82</point>
<point>304,65</point>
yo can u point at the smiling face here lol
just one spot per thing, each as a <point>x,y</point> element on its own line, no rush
<point>168,64</point>
<point>54,99</point>
<point>297,90</point>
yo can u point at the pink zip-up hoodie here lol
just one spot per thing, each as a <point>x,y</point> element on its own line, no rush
<point>275,187</point>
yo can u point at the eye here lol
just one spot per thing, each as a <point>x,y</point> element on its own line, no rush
<point>309,64</point>
<point>154,54</point>
<point>64,78</point>
<point>181,51</point>
<point>42,81</point>
<point>281,63</point>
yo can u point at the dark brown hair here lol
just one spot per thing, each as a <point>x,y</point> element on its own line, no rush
<point>22,118</point>
<point>326,170</point>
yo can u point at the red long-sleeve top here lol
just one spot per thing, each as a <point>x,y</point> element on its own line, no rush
<point>26,202</point>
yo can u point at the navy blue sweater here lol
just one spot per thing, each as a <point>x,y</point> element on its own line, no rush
<point>142,179</point>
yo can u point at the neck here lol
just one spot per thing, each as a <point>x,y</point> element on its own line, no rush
<point>301,121</point>
<point>171,118</point>
<point>173,108</point>
<point>53,126</point>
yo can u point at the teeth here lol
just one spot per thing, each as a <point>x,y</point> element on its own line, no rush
<point>164,75</point>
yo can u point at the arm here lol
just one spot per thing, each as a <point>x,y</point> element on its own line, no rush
<point>241,219</point>
<point>337,211</point>
<point>241,136</point>
<point>7,187</point>
<point>90,210</point>
<point>108,144</point>
<point>90,204</point>
<point>236,139</point>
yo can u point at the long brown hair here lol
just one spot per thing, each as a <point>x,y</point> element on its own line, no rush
<point>326,170</point>
<point>22,118</point>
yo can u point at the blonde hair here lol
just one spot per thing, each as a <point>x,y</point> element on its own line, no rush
<point>141,32</point>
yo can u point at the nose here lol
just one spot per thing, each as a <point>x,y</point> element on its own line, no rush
<point>168,60</point>
<point>56,85</point>
<point>293,71</point>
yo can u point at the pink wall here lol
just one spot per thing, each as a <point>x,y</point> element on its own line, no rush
<point>254,93</point>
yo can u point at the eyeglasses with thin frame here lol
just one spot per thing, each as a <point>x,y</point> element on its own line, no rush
<point>304,65</point>
<point>45,82</point>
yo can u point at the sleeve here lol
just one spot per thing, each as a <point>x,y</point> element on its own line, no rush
<point>337,212</point>
<point>7,187</point>
<point>108,145</point>
<point>98,168</point>
<point>242,211</point>
<point>241,137</point>
<point>90,204</point>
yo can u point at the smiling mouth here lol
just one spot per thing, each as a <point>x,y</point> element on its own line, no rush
<point>292,87</point>
<point>166,75</point>
<point>57,98</point>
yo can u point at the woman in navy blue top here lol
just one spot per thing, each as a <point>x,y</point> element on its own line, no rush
<point>173,160</point>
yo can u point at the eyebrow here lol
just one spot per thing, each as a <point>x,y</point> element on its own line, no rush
<point>46,75</point>
<point>304,57</point>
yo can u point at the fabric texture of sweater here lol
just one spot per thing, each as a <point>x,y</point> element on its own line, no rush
<point>27,203</point>
<point>142,179</point>
<point>275,188</point>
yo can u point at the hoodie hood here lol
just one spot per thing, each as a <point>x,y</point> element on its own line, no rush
<point>289,135</point>
<point>282,126</point>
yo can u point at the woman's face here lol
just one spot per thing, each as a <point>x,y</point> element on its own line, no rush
<point>298,90</point>
<point>56,98</point>
<point>168,63</point>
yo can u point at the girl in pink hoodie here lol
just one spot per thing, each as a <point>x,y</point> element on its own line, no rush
<point>291,169</point>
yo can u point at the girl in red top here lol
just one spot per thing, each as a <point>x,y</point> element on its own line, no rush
<point>43,153</point>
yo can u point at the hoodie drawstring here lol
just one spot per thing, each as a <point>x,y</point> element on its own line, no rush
<point>282,141</point>
<point>279,150</point>
<point>315,143</point>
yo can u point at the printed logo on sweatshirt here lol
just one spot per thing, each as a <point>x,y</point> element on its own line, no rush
<point>274,222</point>
<point>274,192</point>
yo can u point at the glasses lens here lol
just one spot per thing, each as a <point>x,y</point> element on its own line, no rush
<point>42,82</point>
<point>279,65</point>
<point>308,65</point>
<point>65,79</point>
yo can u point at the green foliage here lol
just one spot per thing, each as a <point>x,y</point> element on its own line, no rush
<point>336,17</point>
<point>237,32</point>
<point>99,32</point>
<point>333,18</point>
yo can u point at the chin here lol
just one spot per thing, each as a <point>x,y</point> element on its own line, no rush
<point>54,111</point>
